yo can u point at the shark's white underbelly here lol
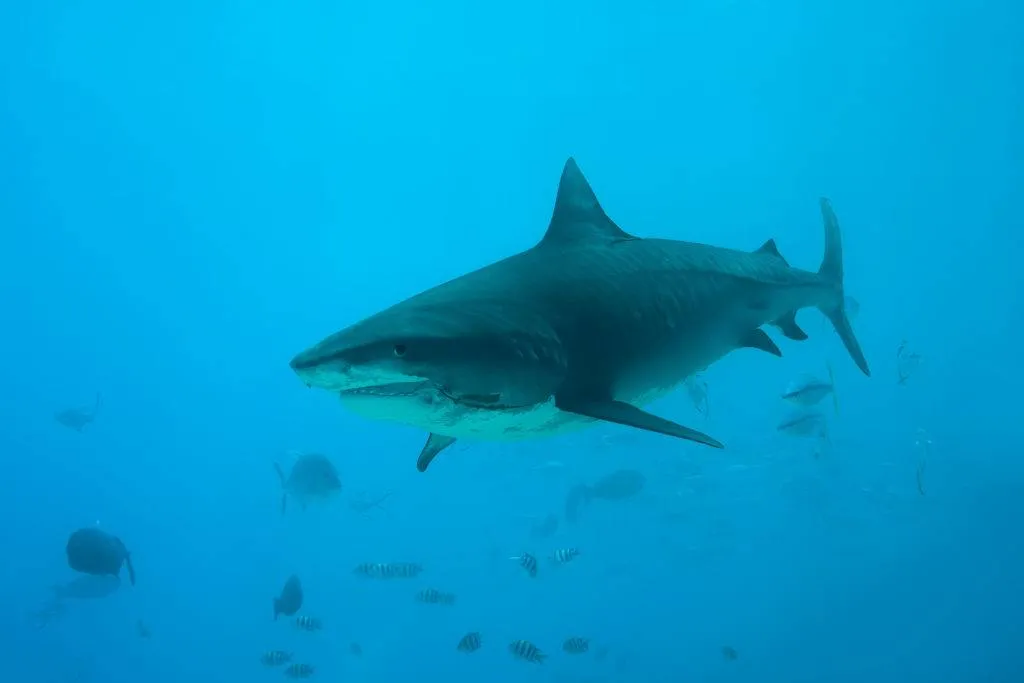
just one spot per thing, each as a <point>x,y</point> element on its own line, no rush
<point>644,385</point>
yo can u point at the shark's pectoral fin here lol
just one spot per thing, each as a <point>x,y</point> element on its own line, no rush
<point>434,445</point>
<point>631,416</point>
<point>758,339</point>
<point>787,324</point>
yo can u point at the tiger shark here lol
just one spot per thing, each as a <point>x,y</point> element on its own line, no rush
<point>590,324</point>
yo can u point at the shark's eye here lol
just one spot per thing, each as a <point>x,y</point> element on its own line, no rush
<point>400,350</point>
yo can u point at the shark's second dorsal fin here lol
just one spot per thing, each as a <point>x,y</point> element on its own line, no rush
<point>578,216</point>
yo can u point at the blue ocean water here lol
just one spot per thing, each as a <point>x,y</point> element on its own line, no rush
<point>193,192</point>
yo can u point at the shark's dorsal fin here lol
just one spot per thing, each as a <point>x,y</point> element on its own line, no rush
<point>770,247</point>
<point>578,216</point>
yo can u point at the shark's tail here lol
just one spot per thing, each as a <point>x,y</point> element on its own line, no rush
<point>831,272</point>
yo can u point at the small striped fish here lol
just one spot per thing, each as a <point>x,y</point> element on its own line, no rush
<point>564,555</point>
<point>395,570</point>
<point>576,646</point>
<point>471,642</point>
<point>527,562</point>
<point>308,623</point>
<point>527,651</point>
<point>299,671</point>
<point>433,596</point>
<point>275,658</point>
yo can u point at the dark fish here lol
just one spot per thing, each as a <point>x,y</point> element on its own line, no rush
<point>275,658</point>
<point>78,418</point>
<point>299,671</point>
<point>313,477</point>
<point>527,651</point>
<point>471,642</point>
<point>619,485</point>
<point>87,587</point>
<point>432,596</point>
<point>355,649</point>
<point>393,570</point>
<point>527,562</point>
<point>308,623</point>
<point>576,645</point>
<point>92,551</point>
<point>290,600</point>
<point>142,630</point>
<point>729,653</point>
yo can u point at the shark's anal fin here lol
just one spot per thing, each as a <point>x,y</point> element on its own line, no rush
<point>787,324</point>
<point>758,339</point>
<point>631,416</point>
<point>434,445</point>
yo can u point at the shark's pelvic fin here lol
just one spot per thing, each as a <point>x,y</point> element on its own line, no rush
<point>787,324</point>
<point>631,416</point>
<point>831,272</point>
<point>758,339</point>
<point>578,216</point>
<point>434,445</point>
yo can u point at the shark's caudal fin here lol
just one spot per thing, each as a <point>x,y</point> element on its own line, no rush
<point>831,272</point>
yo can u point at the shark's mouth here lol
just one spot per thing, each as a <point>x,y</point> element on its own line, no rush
<point>426,388</point>
<point>391,390</point>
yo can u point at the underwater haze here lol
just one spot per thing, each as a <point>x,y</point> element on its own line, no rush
<point>192,193</point>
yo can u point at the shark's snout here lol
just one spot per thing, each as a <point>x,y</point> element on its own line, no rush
<point>316,369</point>
<point>306,360</point>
